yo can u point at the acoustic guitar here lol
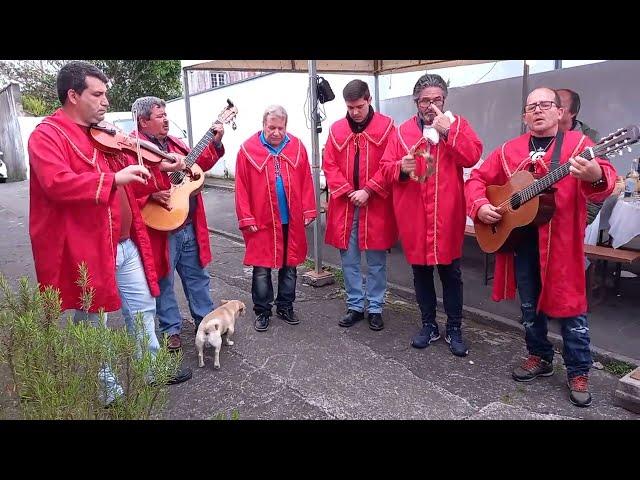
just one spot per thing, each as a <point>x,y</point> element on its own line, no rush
<point>518,200</point>
<point>185,183</point>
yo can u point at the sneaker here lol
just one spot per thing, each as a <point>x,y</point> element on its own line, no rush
<point>428,333</point>
<point>351,318</point>
<point>115,400</point>
<point>579,391</point>
<point>115,403</point>
<point>288,315</point>
<point>181,376</point>
<point>261,323</point>
<point>173,342</point>
<point>375,321</point>
<point>456,344</point>
<point>531,368</point>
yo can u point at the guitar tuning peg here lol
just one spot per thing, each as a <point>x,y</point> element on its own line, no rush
<point>233,125</point>
<point>620,152</point>
<point>628,148</point>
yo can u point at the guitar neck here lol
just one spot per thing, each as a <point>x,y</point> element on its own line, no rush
<point>193,155</point>
<point>542,184</point>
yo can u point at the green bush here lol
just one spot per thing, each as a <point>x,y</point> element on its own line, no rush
<point>55,365</point>
<point>37,107</point>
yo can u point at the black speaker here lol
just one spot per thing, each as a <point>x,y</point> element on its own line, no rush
<point>324,92</point>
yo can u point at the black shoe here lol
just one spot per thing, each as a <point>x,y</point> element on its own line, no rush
<point>261,323</point>
<point>456,343</point>
<point>288,315</point>
<point>375,321</point>
<point>351,318</point>
<point>428,333</point>
<point>182,375</point>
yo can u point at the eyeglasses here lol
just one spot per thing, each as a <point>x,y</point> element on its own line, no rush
<point>546,105</point>
<point>425,102</point>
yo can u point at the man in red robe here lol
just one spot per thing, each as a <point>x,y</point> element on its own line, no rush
<point>548,264</point>
<point>430,207</point>
<point>82,209</point>
<point>360,212</point>
<point>185,249</point>
<point>274,203</point>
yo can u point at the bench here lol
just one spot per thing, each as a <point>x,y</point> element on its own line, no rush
<point>609,254</point>
<point>593,252</point>
<point>470,231</point>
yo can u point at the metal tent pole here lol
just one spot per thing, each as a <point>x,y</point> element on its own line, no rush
<point>315,163</point>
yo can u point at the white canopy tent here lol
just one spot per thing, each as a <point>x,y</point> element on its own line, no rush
<point>362,67</point>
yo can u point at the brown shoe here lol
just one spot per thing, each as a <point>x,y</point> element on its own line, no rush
<point>531,368</point>
<point>579,391</point>
<point>174,342</point>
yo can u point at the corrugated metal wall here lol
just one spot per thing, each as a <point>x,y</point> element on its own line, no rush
<point>10,138</point>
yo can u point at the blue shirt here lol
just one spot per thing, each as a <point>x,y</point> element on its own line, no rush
<point>283,206</point>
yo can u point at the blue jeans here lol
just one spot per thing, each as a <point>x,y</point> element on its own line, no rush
<point>451,278</point>
<point>262,287</point>
<point>376,273</point>
<point>575,331</point>
<point>136,298</point>
<point>184,257</point>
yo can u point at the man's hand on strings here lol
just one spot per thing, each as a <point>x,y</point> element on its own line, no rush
<point>162,197</point>
<point>585,170</point>
<point>176,166</point>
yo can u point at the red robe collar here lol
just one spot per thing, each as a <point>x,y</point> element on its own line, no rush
<point>258,155</point>
<point>171,140</point>
<point>520,149</point>
<point>410,135</point>
<point>75,133</point>
<point>376,132</point>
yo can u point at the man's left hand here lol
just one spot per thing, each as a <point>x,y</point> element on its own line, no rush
<point>359,197</point>
<point>441,123</point>
<point>167,166</point>
<point>585,170</point>
<point>218,130</point>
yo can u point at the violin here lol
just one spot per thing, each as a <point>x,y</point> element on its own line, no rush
<point>109,139</point>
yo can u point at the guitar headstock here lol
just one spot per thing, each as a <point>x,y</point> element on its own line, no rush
<point>617,141</point>
<point>228,114</point>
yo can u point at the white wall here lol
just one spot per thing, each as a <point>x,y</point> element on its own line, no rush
<point>252,97</point>
<point>27,125</point>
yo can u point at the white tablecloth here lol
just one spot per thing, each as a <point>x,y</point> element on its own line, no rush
<point>624,223</point>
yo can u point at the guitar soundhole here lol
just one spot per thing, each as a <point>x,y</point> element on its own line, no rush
<point>516,201</point>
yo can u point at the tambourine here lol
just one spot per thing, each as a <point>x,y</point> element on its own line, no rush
<point>425,166</point>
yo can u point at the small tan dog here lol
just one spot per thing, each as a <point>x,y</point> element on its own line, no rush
<point>217,323</point>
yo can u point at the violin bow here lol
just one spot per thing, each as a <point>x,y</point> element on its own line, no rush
<point>134,112</point>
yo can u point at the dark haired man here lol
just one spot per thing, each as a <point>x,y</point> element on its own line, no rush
<point>360,214</point>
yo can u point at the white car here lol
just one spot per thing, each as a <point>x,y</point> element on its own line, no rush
<point>3,169</point>
<point>124,121</point>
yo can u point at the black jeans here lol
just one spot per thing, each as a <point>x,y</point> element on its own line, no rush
<point>451,278</point>
<point>262,287</point>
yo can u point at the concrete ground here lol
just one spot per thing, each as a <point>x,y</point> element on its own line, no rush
<point>317,370</point>
<point>614,323</point>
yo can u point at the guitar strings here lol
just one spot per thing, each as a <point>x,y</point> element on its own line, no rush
<point>530,190</point>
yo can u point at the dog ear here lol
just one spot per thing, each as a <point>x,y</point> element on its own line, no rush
<point>222,302</point>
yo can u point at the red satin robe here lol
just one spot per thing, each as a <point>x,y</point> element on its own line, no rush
<point>561,241</point>
<point>377,229</point>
